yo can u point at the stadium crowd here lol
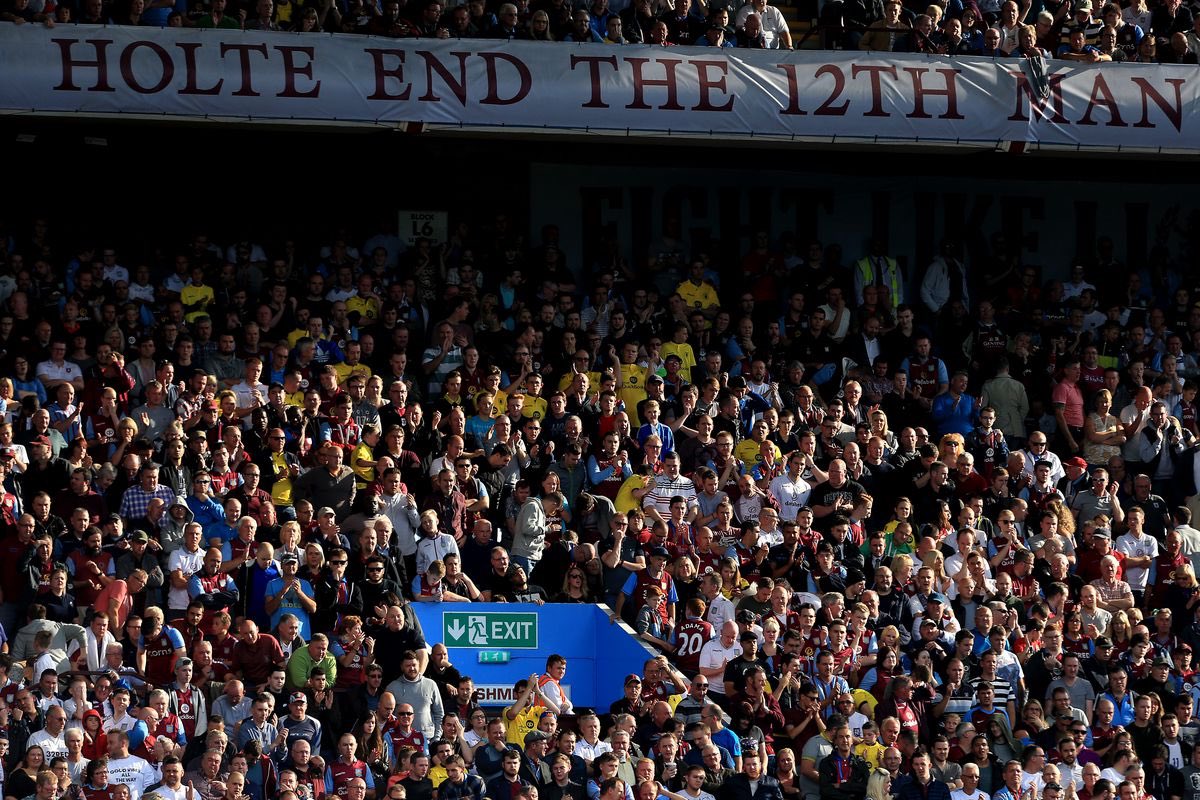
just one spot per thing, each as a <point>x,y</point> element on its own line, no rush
<point>916,536</point>
<point>1162,31</point>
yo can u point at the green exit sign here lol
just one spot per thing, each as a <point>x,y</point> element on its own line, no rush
<point>515,630</point>
<point>493,656</point>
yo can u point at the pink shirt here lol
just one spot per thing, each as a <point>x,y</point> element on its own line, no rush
<point>1071,399</point>
<point>117,590</point>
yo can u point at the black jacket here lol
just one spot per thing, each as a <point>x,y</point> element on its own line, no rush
<point>328,606</point>
<point>738,788</point>
<point>852,787</point>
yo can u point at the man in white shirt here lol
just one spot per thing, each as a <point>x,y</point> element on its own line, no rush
<point>1140,551</point>
<point>790,490</point>
<point>181,565</point>
<point>970,788</point>
<point>50,738</point>
<point>716,655</point>
<point>56,370</point>
<point>132,771</point>
<point>172,786</point>
<point>774,27</point>
<point>720,608</point>
<point>590,745</point>
<point>121,719</point>
<point>251,392</point>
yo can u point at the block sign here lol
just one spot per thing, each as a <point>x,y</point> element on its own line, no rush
<point>491,629</point>
<point>432,225</point>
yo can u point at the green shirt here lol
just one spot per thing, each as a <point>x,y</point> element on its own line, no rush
<point>301,665</point>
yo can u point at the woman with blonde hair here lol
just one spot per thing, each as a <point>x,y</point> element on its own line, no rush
<point>902,571</point>
<point>937,562</point>
<point>1066,524</point>
<point>1119,632</point>
<point>1182,593</point>
<point>879,427</point>
<point>787,774</point>
<point>127,431</point>
<point>879,785</point>
<point>312,566</point>
<point>1137,13</point>
<point>539,27</point>
<point>289,541</point>
<point>732,582</point>
<point>1103,433</point>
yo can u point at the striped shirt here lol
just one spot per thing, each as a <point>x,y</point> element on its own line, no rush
<point>665,488</point>
<point>1003,689</point>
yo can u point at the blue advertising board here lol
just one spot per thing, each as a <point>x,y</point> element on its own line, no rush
<point>499,644</point>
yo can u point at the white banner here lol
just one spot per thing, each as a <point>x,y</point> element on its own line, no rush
<point>628,91</point>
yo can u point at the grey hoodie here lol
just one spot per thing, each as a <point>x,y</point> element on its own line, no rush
<point>170,530</point>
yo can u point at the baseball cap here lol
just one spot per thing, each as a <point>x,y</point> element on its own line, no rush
<point>659,551</point>
<point>1075,462</point>
<point>938,597</point>
<point>44,441</point>
<point>632,677</point>
<point>675,356</point>
<point>1103,642</point>
<point>748,636</point>
<point>286,557</point>
<point>655,379</point>
<point>183,662</point>
<point>298,697</point>
<point>326,511</point>
<point>139,536</point>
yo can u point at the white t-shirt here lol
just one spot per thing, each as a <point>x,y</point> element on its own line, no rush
<point>715,654</point>
<point>791,495</point>
<point>1138,547</point>
<point>52,746</point>
<point>720,610</point>
<point>69,371</point>
<point>189,564</point>
<point>961,794</point>
<point>167,793</point>
<point>133,771</point>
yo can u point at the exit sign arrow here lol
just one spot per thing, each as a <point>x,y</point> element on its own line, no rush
<point>515,630</point>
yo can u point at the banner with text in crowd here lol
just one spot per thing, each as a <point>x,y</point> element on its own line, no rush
<point>490,85</point>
